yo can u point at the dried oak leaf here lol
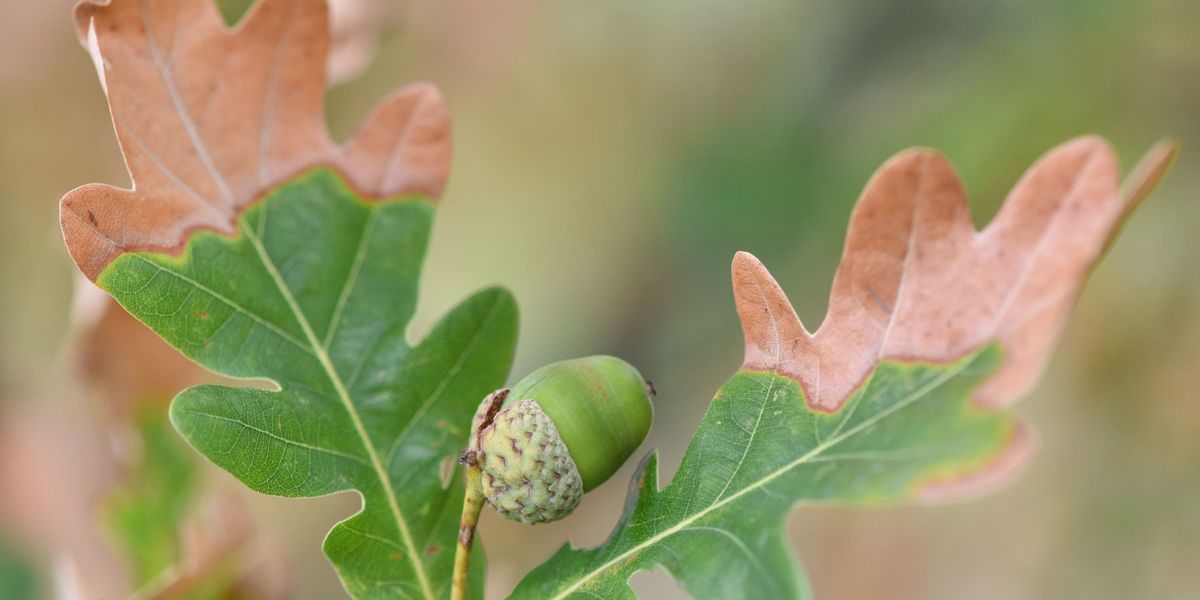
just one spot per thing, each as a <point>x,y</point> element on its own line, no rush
<point>918,282</point>
<point>209,119</point>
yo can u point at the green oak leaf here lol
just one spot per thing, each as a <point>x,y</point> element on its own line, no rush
<point>718,526</point>
<point>314,293</point>
<point>145,513</point>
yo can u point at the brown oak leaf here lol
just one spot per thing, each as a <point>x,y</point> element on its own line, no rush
<point>209,119</point>
<point>918,282</point>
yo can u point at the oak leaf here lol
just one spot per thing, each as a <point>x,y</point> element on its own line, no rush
<point>918,282</point>
<point>932,328</point>
<point>260,249</point>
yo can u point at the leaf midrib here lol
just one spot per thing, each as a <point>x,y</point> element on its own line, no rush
<point>915,395</point>
<point>177,103</point>
<point>344,395</point>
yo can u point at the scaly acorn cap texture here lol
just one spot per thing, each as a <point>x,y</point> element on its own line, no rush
<point>559,432</point>
<point>528,474</point>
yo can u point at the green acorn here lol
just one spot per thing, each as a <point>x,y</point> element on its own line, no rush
<point>559,432</point>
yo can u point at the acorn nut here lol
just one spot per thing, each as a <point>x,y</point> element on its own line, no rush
<point>558,433</point>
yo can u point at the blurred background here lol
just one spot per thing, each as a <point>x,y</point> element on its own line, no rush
<point>610,157</point>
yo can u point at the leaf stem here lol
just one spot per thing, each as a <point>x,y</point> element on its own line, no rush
<point>472,505</point>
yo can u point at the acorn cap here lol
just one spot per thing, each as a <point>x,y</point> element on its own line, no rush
<point>600,406</point>
<point>527,472</point>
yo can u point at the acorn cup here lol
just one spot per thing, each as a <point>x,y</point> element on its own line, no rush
<point>535,449</point>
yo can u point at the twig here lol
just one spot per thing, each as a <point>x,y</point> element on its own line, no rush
<point>474,498</point>
<point>472,505</point>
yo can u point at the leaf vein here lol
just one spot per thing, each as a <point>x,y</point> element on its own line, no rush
<point>280,438</point>
<point>228,302</point>
<point>441,387</point>
<point>351,278</point>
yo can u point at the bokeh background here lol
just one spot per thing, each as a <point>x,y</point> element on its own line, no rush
<point>610,157</point>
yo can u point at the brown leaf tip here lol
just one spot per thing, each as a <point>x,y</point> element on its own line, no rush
<point>209,119</point>
<point>918,282</point>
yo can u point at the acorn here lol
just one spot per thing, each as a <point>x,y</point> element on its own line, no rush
<point>558,433</point>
